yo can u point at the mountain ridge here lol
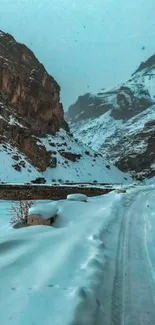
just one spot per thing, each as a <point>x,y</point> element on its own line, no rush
<point>115,112</point>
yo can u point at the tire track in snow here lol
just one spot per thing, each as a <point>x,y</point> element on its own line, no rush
<point>133,296</point>
<point>148,256</point>
<point>117,311</point>
<point>117,294</point>
<point>139,296</point>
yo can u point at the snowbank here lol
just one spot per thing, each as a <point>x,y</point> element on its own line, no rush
<point>55,275</point>
<point>77,197</point>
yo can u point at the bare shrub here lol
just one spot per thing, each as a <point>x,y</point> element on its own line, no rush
<point>19,211</point>
<point>39,180</point>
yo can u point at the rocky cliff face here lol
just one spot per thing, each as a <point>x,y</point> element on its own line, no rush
<point>123,103</point>
<point>26,86</point>
<point>87,106</point>
<point>29,101</point>
<point>121,122</point>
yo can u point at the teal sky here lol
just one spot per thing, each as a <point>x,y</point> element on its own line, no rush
<point>85,44</point>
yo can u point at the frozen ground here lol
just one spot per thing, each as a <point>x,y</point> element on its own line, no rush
<point>97,266</point>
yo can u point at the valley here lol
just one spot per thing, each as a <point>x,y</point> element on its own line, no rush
<point>77,190</point>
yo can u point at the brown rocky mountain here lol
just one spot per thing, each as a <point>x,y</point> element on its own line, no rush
<point>35,140</point>
<point>30,96</point>
<point>26,86</point>
<point>120,122</point>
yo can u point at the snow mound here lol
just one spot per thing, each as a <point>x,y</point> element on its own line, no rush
<point>77,197</point>
<point>46,211</point>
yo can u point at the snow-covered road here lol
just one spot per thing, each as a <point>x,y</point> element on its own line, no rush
<point>133,283</point>
<point>97,266</point>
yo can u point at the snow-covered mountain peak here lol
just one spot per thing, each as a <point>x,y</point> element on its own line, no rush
<point>120,122</point>
<point>147,65</point>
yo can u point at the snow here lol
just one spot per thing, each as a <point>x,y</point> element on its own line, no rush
<point>8,172</point>
<point>110,136</point>
<point>86,169</point>
<point>77,197</point>
<point>105,133</point>
<point>14,121</point>
<point>143,80</point>
<point>45,211</point>
<point>149,181</point>
<point>98,132</point>
<point>150,84</point>
<point>65,274</point>
<point>55,274</point>
<point>94,132</point>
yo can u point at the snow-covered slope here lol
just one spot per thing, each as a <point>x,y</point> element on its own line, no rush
<point>121,122</point>
<point>15,167</point>
<point>73,162</point>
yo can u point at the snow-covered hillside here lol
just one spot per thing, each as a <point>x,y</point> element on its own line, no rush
<point>121,122</point>
<point>15,167</point>
<point>74,162</point>
<point>96,261</point>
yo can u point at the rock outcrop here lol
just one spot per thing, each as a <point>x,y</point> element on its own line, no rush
<point>29,102</point>
<point>26,86</point>
<point>123,103</point>
<point>87,106</point>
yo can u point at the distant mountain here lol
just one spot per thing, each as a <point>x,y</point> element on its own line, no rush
<point>35,140</point>
<point>120,122</point>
